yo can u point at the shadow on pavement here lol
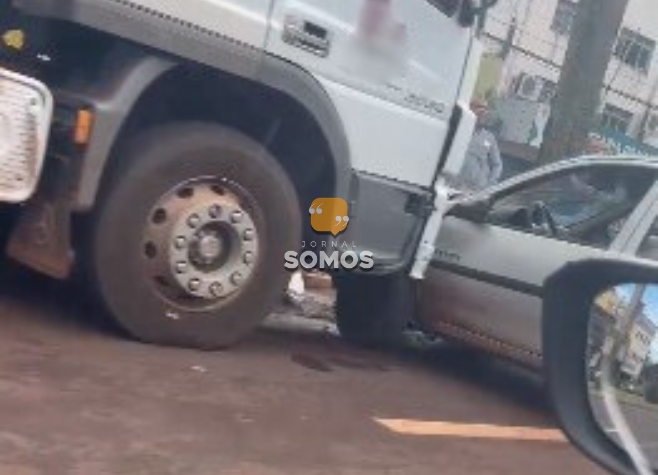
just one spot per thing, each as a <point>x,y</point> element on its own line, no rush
<point>519,385</point>
<point>53,302</point>
<point>311,344</point>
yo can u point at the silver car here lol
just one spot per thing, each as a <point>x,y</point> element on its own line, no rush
<point>497,247</point>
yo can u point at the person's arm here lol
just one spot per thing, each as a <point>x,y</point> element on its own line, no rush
<point>496,162</point>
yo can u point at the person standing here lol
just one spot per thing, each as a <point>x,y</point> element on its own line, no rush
<point>483,166</point>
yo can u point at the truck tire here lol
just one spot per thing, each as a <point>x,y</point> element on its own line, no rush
<point>374,311</point>
<point>189,241</point>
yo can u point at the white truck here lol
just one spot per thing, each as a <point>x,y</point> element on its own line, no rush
<point>168,150</point>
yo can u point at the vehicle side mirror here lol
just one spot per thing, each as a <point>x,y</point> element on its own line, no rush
<point>487,4</point>
<point>600,338</point>
<point>475,211</point>
<point>472,10</point>
<point>468,13</point>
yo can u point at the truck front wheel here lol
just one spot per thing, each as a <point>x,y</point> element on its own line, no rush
<point>189,240</point>
<point>374,311</point>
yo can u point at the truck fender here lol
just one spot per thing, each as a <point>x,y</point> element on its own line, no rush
<point>119,94</point>
<point>300,85</point>
<point>112,106</point>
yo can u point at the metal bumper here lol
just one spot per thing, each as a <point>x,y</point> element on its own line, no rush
<point>26,109</point>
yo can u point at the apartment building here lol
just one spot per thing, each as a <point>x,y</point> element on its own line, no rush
<point>531,37</point>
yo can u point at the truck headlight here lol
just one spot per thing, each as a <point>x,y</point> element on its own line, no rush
<point>14,40</point>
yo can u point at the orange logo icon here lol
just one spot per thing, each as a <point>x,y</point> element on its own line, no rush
<point>329,215</point>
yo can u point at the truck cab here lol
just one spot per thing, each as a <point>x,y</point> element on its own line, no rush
<point>173,151</point>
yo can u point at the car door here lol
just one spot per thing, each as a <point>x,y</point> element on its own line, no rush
<point>392,68</point>
<point>486,281</point>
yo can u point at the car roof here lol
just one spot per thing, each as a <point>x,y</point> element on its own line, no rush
<point>630,160</point>
<point>638,161</point>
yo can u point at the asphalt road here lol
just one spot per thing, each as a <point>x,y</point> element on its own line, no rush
<point>642,419</point>
<point>76,398</point>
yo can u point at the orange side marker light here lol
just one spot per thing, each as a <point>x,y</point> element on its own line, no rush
<point>83,127</point>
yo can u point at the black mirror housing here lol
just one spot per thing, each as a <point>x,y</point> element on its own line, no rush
<point>568,297</point>
<point>475,211</point>
<point>468,13</point>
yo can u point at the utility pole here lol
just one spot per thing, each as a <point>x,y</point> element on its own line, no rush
<point>593,35</point>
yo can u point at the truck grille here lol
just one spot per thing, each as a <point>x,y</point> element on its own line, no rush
<point>25,115</point>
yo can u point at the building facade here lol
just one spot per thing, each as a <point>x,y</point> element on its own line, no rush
<point>638,350</point>
<point>531,38</point>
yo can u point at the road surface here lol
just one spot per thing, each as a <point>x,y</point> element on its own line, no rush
<point>76,398</point>
<point>642,419</point>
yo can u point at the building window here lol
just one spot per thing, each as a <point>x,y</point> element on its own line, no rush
<point>615,118</point>
<point>635,49</point>
<point>564,16</point>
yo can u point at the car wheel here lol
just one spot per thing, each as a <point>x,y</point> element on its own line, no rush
<point>188,244</point>
<point>374,311</point>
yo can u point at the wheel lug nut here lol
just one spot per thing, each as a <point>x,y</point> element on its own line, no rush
<point>194,221</point>
<point>215,211</point>
<point>194,285</point>
<point>237,279</point>
<point>249,235</point>
<point>248,257</point>
<point>236,217</point>
<point>182,267</point>
<point>216,289</point>
<point>180,242</point>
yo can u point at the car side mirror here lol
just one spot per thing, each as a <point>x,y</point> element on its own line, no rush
<point>487,4</point>
<point>600,338</point>
<point>476,210</point>
<point>472,10</point>
<point>468,13</point>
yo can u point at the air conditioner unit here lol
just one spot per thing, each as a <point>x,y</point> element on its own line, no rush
<point>529,87</point>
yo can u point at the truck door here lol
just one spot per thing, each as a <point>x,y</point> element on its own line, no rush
<point>392,68</point>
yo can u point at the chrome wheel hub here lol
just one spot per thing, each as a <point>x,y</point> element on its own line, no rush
<point>201,243</point>
<point>207,248</point>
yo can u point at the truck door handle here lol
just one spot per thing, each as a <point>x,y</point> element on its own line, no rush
<point>307,36</point>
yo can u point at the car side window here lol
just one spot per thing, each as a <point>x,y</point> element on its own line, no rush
<point>586,206</point>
